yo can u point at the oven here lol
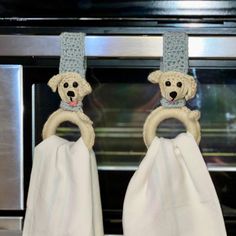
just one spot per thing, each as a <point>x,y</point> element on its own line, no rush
<point>123,45</point>
<point>117,69</point>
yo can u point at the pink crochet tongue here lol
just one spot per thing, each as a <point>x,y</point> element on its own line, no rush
<point>73,103</point>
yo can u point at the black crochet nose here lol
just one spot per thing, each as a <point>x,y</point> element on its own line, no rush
<point>70,94</point>
<point>173,95</point>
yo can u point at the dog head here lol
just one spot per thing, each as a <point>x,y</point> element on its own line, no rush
<point>71,87</point>
<point>174,85</point>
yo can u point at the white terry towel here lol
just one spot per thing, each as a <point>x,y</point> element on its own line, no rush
<point>171,193</point>
<point>64,195</point>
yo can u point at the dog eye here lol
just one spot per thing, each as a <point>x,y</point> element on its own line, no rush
<point>75,84</point>
<point>179,84</point>
<point>168,83</point>
<point>65,85</point>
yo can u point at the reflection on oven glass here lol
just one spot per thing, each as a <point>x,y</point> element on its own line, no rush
<point>120,106</point>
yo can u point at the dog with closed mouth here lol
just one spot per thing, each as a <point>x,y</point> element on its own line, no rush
<point>174,86</point>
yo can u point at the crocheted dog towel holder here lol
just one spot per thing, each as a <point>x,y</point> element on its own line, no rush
<point>175,64</point>
<point>71,73</point>
<point>175,58</point>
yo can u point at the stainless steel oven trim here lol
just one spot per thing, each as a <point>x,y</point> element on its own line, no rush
<point>11,223</point>
<point>211,168</point>
<point>33,118</point>
<point>22,137</point>
<point>13,179</point>
<point>18,233</point>
<point>210,47</point>
<point>10,233</point>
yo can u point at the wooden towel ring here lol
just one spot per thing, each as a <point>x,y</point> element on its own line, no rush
<point>77,118</point>
<point>186,116</point>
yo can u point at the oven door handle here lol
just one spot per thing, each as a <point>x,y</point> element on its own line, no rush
<point>117,46</point>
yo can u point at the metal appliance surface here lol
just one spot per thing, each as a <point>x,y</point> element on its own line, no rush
<point>19,233</point>
<point>11,223</point>
<point>11,138</point>
<point>10,233</point>
<point>211,47</point>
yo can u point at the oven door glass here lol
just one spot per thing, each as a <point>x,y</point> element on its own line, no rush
<point>121,100</point>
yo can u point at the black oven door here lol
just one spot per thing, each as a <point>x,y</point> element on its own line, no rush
<point>119,104</point>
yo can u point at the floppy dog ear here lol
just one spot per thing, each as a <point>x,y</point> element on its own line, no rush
<point>191,87</point>
<point>155,76</point>
<point>54,81</point>
<point>85,88</point>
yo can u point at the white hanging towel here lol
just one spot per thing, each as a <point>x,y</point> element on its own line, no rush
<point>171,193</point>
<point>64,195</point>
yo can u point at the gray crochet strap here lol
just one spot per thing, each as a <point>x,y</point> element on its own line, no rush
<point>175,52</point>
<point>72,53</point>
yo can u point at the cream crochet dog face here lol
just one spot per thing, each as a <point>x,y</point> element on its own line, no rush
<point>174,85</point>
<point>71,87</point>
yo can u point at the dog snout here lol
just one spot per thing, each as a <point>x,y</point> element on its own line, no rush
<point>70,94</point>
<point>173,94</point>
